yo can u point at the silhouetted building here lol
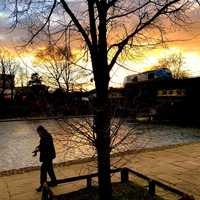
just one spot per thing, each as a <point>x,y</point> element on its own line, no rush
<point>7,85</point>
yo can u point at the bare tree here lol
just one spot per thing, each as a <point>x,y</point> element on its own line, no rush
<point>80,140</point>
<point>109,28</point>
<point>61,71</point>
<point>35,79</point>
<point>9,67</point>
<point>174,62</point>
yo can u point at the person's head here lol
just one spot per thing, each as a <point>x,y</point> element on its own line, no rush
<point>42,132</point>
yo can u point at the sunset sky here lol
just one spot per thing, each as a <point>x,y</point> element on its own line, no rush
<point>186,41</point>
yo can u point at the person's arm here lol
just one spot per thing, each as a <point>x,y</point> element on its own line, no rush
<point>37,149</point>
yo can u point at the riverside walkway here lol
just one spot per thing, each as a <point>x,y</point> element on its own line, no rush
<point>178,166</point>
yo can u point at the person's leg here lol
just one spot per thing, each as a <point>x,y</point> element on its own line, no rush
<point>43,175</point>
<point>51,173</point>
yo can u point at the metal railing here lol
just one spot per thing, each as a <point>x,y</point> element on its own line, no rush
<point>125,173</point>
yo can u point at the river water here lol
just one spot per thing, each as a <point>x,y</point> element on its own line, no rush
<point>19,138</point>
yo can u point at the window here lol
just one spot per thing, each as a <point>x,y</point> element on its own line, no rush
<point>151,76</point>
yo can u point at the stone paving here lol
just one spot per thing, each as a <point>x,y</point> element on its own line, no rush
<point>178,166</point>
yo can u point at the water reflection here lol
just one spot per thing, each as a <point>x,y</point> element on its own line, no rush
<point>19,138</point>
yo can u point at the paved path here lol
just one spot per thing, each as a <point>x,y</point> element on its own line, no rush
<point>178,166</point>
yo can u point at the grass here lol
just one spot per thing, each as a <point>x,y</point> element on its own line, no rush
<point>121,191</point>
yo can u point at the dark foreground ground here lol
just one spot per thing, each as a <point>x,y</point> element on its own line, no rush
<point>120,192</point>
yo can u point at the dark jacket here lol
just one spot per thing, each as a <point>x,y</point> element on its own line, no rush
<point>47,149</point>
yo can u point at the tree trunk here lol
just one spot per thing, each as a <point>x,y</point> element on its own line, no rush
<point>102,127</point>
<point>12,88</point>
<point>3,87</point>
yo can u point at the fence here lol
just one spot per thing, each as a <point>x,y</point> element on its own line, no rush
<point>125,173</point>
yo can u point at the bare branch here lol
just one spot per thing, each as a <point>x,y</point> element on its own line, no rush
<point>128,12</point>
<point>76,22</point>
<point>141,26</point>
<point>44,25</point>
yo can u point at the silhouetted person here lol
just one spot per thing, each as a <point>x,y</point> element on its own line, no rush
<point>47,154</point>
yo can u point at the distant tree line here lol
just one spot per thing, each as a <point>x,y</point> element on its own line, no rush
<point>35,99</point>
